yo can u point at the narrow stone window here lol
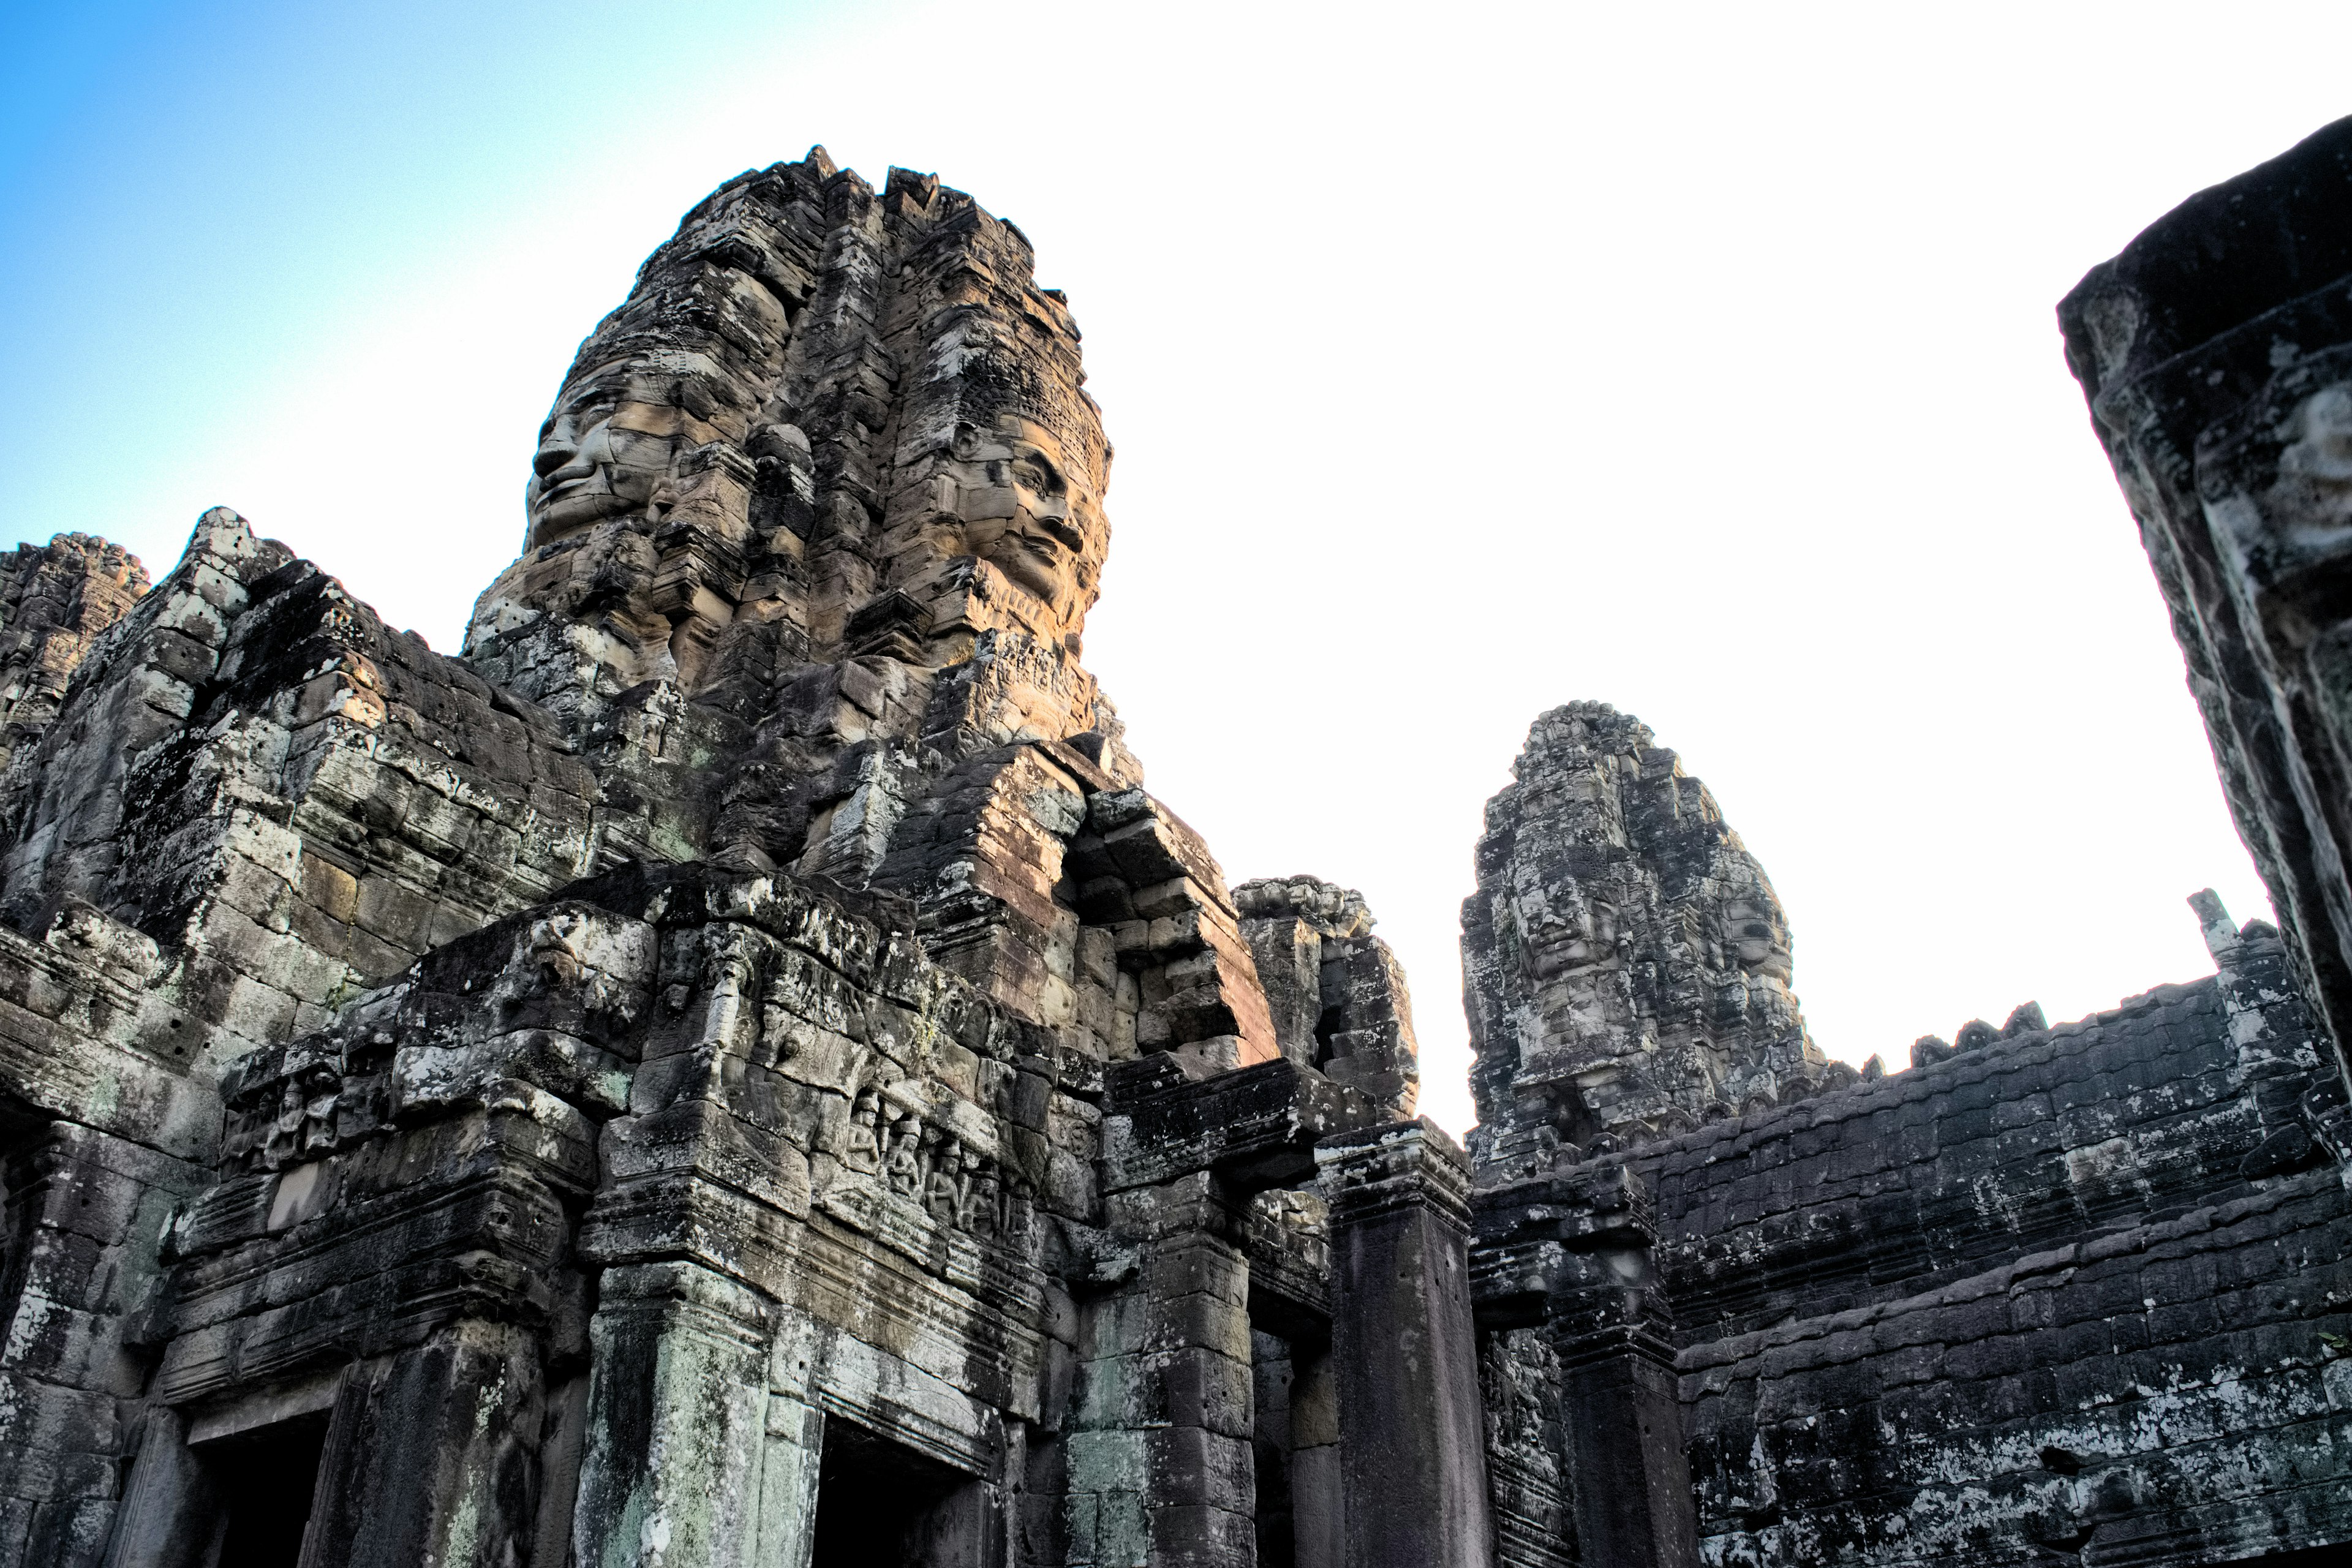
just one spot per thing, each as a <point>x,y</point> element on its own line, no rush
<point>263,1482</point>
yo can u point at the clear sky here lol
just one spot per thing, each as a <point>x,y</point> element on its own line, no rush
<point>1462,361</point>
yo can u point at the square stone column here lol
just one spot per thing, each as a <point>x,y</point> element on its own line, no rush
<point>1571,1256</point>
<point>1159,1461</point>
<point>679,1415</point>
<point>1405,1355</point>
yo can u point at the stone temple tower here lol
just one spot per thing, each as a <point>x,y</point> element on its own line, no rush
<point>734,1069</point>
<point>1626,962</point>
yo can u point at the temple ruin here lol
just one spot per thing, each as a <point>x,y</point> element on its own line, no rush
<point>735,1067</point>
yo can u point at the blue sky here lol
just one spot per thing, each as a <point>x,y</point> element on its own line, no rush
<point>1461,362</point>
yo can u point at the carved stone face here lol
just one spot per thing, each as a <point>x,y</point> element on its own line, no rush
<point>1757,939</point>
<point>604,455</point>
<point>1587,937</point>
<point>1026,508</point>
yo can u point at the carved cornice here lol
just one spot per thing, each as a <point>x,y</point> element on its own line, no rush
<point>1372,1173</point>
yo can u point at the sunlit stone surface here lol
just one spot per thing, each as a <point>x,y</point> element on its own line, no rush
<point>734,1068</point>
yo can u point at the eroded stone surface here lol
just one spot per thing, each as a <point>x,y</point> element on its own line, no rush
<point>732,1067</point>
<point>55,600</point>
<point>2216,353</point>
<point>1626,961</point>
<point>735,1067</point>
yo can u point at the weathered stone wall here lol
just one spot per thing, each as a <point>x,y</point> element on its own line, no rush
<point>55,599</point>
<point>2074,1290</point>
<point>1892,1187</point>
<point>2216,352</point>
<point>827,1177</point>
<point>2082,1290</point>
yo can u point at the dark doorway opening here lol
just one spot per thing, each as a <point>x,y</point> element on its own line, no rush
<point>1295,1441</point>
<point>264,1481</point>
<point>880,1504</point>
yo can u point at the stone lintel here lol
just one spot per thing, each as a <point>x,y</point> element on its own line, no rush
<point>1256,1128</point>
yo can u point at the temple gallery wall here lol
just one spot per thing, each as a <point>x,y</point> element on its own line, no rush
<point>735,1067</point>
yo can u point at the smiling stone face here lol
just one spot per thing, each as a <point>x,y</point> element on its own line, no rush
<point>1755,937</point>
<point>1023,507</point>
<point>606,450</point>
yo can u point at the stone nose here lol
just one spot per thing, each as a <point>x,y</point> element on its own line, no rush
<point>1055,526</point>
<point>1047,509</point>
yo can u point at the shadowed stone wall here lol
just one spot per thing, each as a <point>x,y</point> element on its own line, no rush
<point>2082,1290</point>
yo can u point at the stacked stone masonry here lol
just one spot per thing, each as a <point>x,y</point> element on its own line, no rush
<point>734,1066</point>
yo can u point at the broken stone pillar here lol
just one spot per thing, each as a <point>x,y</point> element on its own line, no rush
<point>1159,1468</point>
<point>436,1457</point>
<point>1622,1414</point>
<point>1337,993</point>
<point>2216,353</point>
<point>80,1214</point>
<point>1403,1352</point>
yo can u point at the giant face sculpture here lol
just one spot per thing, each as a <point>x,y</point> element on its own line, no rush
<point>1025,505</point>
<point>606,451</point>
<point>1757,937</point>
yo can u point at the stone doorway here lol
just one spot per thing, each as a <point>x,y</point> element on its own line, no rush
<point>880,1504</point>
<point>262,1483</point>
<point>1293,1444</point>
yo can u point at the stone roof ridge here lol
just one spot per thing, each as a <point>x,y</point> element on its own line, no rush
<point>1860,1097</point>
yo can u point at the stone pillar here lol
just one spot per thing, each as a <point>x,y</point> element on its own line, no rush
<point>1610,1328</point>
<point>80,1211</point>
<point>792,1448</point>
<point>679,1418</point>
<point>1403,1352</point>
<point>1623,1421</point>
<point>1158,1458</point>
<point>2215,354</point>
<point>433,1456</point>
<point>1317,1510</point>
